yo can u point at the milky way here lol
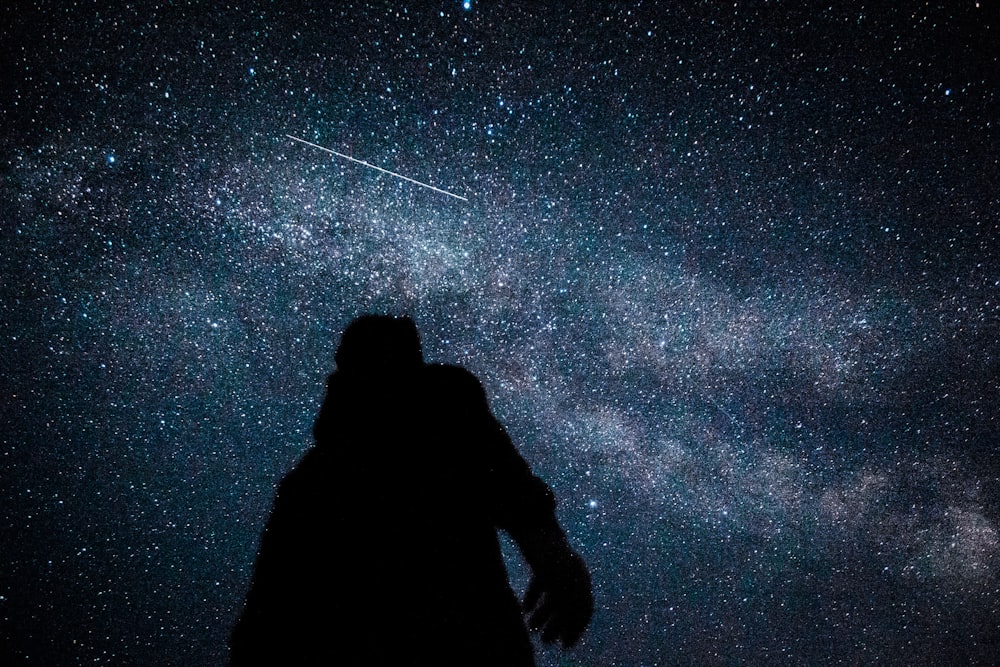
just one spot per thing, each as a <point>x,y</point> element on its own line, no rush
<point>728,273</point>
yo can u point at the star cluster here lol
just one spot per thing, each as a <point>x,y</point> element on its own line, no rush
<point>727,271</point>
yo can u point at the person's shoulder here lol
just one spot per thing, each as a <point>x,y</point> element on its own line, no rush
<point>447,377</point>
<point>310,465</point>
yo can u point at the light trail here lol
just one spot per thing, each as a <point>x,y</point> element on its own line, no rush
<point>384,171</point>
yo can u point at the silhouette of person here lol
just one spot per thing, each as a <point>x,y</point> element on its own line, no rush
<point>382,545</point>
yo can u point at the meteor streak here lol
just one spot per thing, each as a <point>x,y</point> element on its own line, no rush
<point>384,171</point>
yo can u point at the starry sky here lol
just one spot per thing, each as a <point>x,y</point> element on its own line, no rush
<point>728,272</point>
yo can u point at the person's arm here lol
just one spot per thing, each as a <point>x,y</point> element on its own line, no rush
<point>267,623</point>
<point>559,598</point>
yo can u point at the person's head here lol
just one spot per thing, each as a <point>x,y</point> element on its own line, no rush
<point>379,343</point>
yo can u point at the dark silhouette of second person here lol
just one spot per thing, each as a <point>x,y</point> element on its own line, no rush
<point>382,545</point>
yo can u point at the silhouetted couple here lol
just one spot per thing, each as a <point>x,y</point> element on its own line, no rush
<point>382,546</point>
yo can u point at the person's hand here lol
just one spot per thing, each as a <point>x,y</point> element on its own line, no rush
<point>560,602</point>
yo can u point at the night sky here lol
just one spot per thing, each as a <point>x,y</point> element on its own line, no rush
<point>729,272</point>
